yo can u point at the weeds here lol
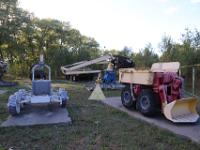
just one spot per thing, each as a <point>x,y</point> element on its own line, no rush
<point>94,126</point>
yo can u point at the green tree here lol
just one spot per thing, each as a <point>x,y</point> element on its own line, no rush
<point>126,51</point>
<point>7,24</point>
<point>146,57</point>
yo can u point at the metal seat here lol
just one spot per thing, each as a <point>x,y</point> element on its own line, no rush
<point>41,87</point>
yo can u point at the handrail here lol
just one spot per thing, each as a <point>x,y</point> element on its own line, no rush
<point>37,66</point>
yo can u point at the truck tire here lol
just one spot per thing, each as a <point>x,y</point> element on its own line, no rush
<point>146,103</point>
<point>126,98</point>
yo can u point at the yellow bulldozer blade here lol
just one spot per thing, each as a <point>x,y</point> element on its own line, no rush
<point>182,111</point>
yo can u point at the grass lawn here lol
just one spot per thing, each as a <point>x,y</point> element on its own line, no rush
<point>94,126</point>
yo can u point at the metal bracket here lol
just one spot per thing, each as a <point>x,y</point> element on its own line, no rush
<point>132,95</point>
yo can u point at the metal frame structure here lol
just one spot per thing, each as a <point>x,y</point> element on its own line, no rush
<point>41,93</point>
<point>160,87</point>
<point>75,68</point>
<point>193,78</point>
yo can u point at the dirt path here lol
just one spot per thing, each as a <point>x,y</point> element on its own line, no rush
<point>191,131</point>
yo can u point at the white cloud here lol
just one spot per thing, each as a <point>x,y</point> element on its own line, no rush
<point>195,1</point>
<point>171,10</point>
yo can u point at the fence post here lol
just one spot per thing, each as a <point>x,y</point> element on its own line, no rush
<point>193,80</point>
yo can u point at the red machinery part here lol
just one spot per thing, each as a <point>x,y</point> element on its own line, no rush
<point>137,89</point>
<point>168,86</point>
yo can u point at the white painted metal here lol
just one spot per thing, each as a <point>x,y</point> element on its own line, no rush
<point>145,77</point>
<point>130,75</point>
<point>18,107</point>
<point>82,72</point>
<point>38,65</point>
<point>182,110</point>
<point>165,67</point>
<point>69,68</point>
<point>40,99</point>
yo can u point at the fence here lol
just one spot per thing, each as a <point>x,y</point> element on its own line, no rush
<point>191,74</point>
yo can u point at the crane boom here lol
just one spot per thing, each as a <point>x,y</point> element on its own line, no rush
<point>73,68</point>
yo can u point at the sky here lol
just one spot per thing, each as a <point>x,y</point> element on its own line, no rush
<point>118,23</point>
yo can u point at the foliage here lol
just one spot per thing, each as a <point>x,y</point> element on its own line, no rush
<point>146,57</point>
<point>187,52</point>
<point>23,37</point>
<point>126,51</point>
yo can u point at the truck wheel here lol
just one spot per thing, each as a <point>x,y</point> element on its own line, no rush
<point>146,103</point>
<point>126,98</point>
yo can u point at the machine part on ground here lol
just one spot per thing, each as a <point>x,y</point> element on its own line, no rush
<point>79,68</point>
<point>41,93</point>
<point>122,62</point>
<point>158,89</point>
<point>81,77</point>
<point>38,73</point>
<point>183,110</point>
<point>108,79</point>
<point>97,93</point>
<point>3,69</point>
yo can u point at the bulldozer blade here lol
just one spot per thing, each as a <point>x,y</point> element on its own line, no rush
<point>182,110</point>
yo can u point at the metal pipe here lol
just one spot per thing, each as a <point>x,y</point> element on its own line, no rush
<point>33,71</point>
<point>49,71</point>
<point>193,80</point>
<point>132,95</point>
<point>38,65</point>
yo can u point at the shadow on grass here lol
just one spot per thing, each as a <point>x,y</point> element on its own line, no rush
<point>94,126</point>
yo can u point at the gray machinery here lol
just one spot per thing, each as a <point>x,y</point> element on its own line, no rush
<point>74,71</point>
<point>41,93</point>
<point>108,78</point>
<point>3,69</point>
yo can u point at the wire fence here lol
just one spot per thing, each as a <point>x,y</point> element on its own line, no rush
<point>191,74</point>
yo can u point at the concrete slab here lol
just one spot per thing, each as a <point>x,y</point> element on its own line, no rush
<point>191,131</point>
<point>39,115</point>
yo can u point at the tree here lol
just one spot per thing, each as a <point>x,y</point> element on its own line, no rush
<point>7,23</point>
<point>112,52</point>
<point>146,57</point>
<point>186,52</point>
<point>126,51</point>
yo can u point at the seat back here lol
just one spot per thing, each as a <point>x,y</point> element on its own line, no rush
<point>41,87</point>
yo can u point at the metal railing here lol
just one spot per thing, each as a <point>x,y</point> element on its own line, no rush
<point>191,74</point>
